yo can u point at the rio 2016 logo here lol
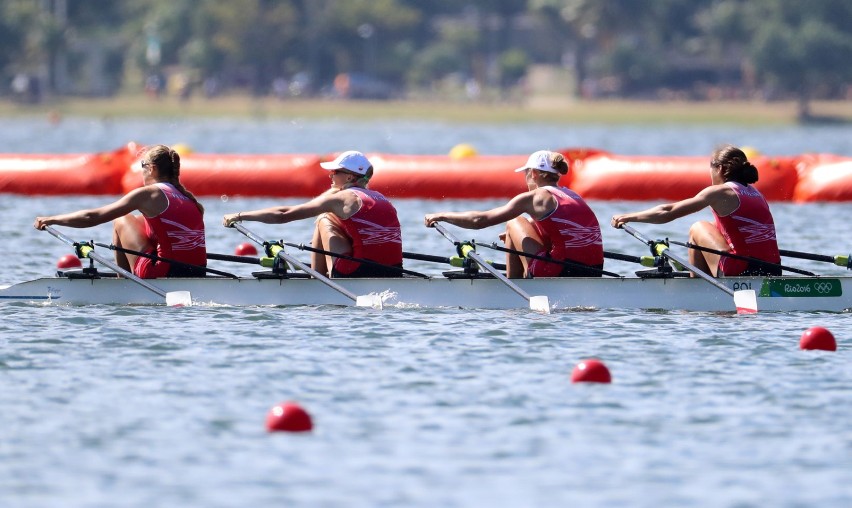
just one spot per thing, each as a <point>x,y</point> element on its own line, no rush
<point>801,288</point>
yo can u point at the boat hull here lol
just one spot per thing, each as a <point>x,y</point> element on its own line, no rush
<point>832,294</point>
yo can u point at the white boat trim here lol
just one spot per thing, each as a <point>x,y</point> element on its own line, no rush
<point>775,294</point>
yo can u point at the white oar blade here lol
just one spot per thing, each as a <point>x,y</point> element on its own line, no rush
<point>746,301</point>
<point>178,299</point>
<point>374,301</point>
<point>540,304</point>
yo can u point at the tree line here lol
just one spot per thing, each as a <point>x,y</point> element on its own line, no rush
<point>695,49</point>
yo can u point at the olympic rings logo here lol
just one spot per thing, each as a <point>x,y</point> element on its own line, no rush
<point>823,287</point>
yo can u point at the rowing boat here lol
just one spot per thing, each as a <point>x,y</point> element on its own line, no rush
<point>454,289</point>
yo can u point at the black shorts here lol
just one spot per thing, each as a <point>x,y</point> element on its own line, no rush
<point>368,271</point>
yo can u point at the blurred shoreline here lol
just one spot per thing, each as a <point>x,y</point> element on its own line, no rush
<point>539,109</point>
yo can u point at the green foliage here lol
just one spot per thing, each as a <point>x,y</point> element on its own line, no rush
<point>794,48</point>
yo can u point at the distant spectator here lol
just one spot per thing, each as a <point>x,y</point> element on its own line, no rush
<point>153,86</point>
<point>211,87</point>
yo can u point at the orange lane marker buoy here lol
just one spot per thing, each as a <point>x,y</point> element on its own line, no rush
<point>818,337</point>
<point>69,261</point>
<point>591,371</point>
<point>245,249</point>
<point>288,417</point>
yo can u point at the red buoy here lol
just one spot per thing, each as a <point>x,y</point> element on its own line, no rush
<point>245,249</point>
<point>591,371</point>
<point>288,417</point>
<point>69,261</point>
<point>818,337</point>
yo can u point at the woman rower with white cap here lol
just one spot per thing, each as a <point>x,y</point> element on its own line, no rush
<point>560,226</point>
<point>351,220</point>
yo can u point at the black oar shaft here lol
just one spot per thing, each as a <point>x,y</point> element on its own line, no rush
<point>441,259</point>
<point>369,262</point>
<point>166,260</point>
<point>569,264</point>
<point>742,258</point>
<point>622,257</point>
<point>249,260</point>
<point>839,260</point>
<point>807,255</point>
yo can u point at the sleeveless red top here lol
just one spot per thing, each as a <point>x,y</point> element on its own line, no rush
<point>178,231</point>
<point>374,230</point>
<point>571,231</point>
<point>749,230</point>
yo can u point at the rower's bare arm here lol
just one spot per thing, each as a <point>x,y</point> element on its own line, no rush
<point>483,219</point>
<point>333,203</point>
<point>92,217</point>
<point>668,212</point>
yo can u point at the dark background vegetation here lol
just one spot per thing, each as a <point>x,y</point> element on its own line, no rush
<point>702,50</point>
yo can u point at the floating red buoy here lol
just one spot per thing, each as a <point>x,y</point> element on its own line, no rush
<point>591,371</point>
<point>288,417</point>
<point>69,261</point>
<point>818,337</point>
<point>245,249</point>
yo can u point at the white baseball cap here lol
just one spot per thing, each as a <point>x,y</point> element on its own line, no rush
<point>540,160</point>
<point>351,160</point>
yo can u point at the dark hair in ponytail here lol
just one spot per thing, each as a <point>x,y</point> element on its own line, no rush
<point>734,165</point>
<point>168,167</point>
<point>558,164</point>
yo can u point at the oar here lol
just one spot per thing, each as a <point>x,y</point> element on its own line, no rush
<point>466,249</point>
<point>165,260</point>
<point>745,300</point>
<point>839,260</point>
<point>370,262</point>
<point>569,264</point>
<point>649,261</point>
<point>456,261</point>
<point>86,250</point>
<point>275,249</point>
<point>743,258</point>
<point>249,260</point>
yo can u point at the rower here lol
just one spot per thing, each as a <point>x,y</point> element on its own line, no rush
<point>171,224</point>
<point>561,226</point>
<point>353,222</point>
<point>744,226</point>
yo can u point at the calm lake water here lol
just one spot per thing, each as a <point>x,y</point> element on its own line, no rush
<point>104,406</point>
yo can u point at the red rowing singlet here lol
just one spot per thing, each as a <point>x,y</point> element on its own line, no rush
<point>571,231</point>
<point>749,230</point>
<point>178,233</point>
<point>374,230</point>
